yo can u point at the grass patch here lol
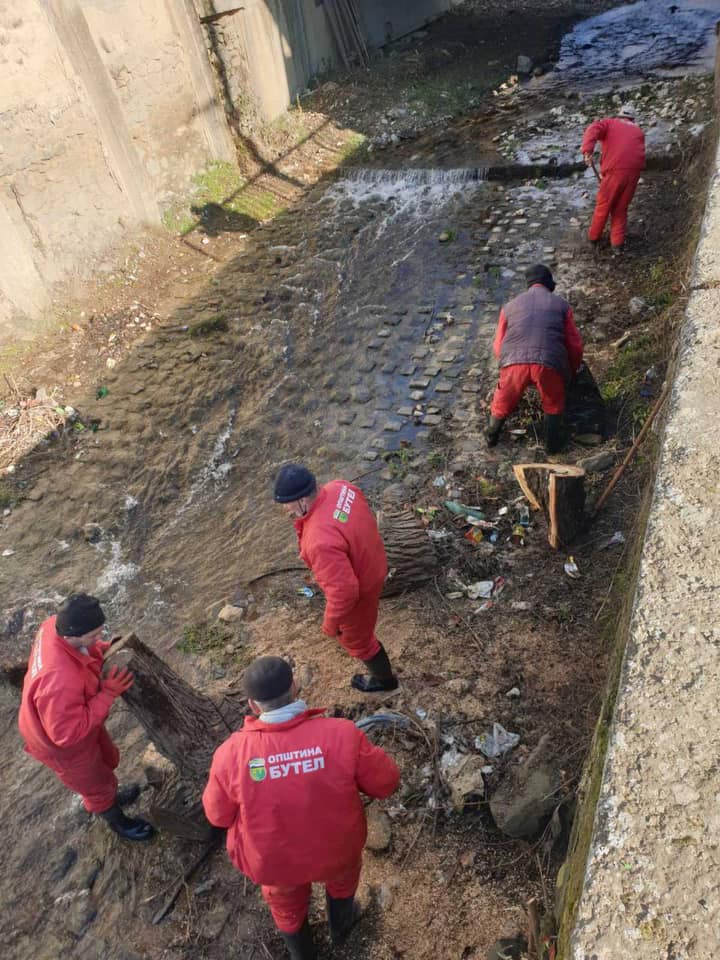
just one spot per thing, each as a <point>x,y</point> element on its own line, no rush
<point>221,200</point>
<point>199,638</point>
<point>7,495</point>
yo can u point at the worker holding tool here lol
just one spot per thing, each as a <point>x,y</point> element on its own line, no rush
<point>623,159</point>
<point>65,702</point>
<point>287,788</point>
<point>537,344</point>
<point>340,542</point>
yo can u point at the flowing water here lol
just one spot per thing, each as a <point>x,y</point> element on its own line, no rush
<point>359,327</point>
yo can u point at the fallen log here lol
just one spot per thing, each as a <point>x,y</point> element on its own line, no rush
<point>410,553</point>
<point>185,726</point>
<point>559,491</point>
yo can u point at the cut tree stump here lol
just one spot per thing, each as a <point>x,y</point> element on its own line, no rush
<point>558,490</point>
<point>184,725</point>
<point>411,555</point>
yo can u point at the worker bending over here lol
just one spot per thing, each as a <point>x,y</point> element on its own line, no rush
<point>65,702</point>
<point>287,788</point>
<point>623,159</point>
<point>537,343</point>
<point>340,542</point>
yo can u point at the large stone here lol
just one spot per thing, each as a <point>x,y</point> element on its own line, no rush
<point>528,794</point>
<point>462,773</point>
<point>524,65</point>
<point>379,835</point>
<point>598,463</point>
<point>231,614</point>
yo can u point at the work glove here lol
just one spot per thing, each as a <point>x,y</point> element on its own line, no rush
<point>118,681</point>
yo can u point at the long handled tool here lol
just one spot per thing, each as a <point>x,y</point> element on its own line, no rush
<point>631,452</point>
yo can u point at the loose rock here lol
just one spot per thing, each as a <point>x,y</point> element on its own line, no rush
<point>527,795</point>
<point>379,830</point>
<point>598,463</point>
<point>637,306</point>
<point>231,614</point>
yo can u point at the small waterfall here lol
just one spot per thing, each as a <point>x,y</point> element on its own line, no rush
<point>418,176</point>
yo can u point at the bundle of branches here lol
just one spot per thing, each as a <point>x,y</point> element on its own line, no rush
<point>25,420</point>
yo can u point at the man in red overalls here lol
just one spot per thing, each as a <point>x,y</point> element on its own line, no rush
<point>288,789</point>
<point>623,159</point>
<point>537,344</point>
<point>340,542</point>
<point>65,702</point>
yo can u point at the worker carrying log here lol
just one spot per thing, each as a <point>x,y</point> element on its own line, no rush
<point>340,542</point>
<point>537,344</point>
<point>287,788</point>
<point>623,159</point>
<point>65,702</point>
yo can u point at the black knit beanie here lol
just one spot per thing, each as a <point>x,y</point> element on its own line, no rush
<point>293,482</point>
<point>539,273</point>
<point>81,614</point>
<point>268,678</point>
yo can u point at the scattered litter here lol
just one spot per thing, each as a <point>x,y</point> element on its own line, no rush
<point>383,720</point>
<point>421,713</point>
<point>462,509</point>
<point>518,535</point>
<point>502,511</point>
<point>513,693</point>
<point>455,595</point>
<point>474,535</point>
<point>484,606</point>
<point>8,553</point>
<point>101,392</point>
<point>438,534</point>
<point>439,481</point>
<point>518,433</point>
<point>497,743</point>
<point>305,592</point>
<point>482,589</point>
<point>617,537</point>
<point>524,518</point>
<point>571,569</point>
<point>521,605</point>
<point>487,770</point>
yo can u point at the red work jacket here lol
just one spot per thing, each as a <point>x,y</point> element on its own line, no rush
<point>63,706</point>
<point>289,794</point>
<point>339,540</point>
<point>623,144</point>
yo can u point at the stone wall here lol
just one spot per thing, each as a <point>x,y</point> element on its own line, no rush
<point>108,108</point>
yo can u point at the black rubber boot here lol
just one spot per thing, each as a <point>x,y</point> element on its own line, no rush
<point>300,945</point>
<point>492,434</point>
<point>127,795</point>
<point>129,828</point>
<point>553,432</point>
<point>381,679</point>
<point>343,913</point>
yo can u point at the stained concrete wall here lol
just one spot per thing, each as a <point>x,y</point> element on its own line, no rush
<point>108,108</point>
<point>268,50</point>
<point>651,888</point>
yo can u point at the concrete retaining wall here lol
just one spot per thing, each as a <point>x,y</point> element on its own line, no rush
<point>651,888</point>
<point>269,49</point>
<point>108,108</point>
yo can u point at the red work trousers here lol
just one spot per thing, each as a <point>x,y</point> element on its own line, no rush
<point>92,774</point>
<point>617,189</point>
<point>357,628</point>
<point>514,381</point>
<point>289,905</point>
